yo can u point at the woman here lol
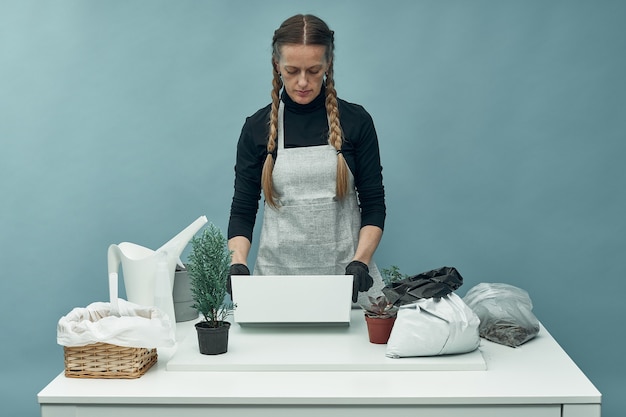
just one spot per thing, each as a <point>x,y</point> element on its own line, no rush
<point>310,153</point>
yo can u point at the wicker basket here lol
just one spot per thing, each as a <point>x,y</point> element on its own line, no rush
<point>103,360</point>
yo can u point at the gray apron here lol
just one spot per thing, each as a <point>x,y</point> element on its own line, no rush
<point>311,232</point>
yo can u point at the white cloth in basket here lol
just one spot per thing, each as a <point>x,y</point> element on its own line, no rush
<point>136,326</point>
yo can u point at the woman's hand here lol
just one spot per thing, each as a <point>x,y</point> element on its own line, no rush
<point>362,279</point>
<point>235,269</point>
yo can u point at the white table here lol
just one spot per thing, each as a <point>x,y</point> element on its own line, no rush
<point>536,379</point>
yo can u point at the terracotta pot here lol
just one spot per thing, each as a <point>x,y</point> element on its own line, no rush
<point>379,329</point>
<point>212,340</point>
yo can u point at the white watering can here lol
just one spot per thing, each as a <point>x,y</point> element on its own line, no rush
<point>149,274</point>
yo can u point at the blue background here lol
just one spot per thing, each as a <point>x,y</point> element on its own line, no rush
<point>501,127</point>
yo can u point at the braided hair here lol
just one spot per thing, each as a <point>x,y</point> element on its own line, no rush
<point>304,30</point>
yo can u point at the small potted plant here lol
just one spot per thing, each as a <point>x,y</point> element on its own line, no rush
<point>380,315</point>
<point>208,266</point>
<point>392,274</point>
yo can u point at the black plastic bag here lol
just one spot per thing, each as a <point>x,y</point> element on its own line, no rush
<point>436,283</point>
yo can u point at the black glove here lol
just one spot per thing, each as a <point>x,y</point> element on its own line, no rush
<point>235,269</point>
<point>362,279</point>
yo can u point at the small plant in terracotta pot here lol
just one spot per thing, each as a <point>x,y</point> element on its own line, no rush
<point>208,267</point>
<point>380,315</point>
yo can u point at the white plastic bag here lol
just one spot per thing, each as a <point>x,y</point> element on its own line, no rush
<point>505,313</point>
<point>136,326</point>
<point>434,326</point>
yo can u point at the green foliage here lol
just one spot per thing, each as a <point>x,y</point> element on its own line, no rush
<point>392,275</point>
<point>208,267</point>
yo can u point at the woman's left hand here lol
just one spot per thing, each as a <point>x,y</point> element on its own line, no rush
<point>362,279</point>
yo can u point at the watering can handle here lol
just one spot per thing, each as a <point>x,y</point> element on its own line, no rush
<point>113,294</point>
<point>114,260</point>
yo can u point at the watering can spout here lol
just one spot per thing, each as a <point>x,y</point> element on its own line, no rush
<point>140,265</point>
<point>174,247</point>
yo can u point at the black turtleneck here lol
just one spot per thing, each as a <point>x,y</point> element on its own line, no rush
<point>307,125</point>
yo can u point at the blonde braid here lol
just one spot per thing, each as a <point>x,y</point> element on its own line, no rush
<point>335,135</point>
<point>268,167</point>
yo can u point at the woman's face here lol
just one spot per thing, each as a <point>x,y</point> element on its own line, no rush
<point>302,68</point>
